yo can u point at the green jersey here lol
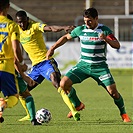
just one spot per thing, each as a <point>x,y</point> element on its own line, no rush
<point>93,49</point>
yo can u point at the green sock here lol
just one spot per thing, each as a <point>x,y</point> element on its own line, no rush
<point>120,104</point>
<point>74,98</point>
<point>31,107</point>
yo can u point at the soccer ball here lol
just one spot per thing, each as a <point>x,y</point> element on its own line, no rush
<point>43,116</point>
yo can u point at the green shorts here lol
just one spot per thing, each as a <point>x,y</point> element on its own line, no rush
<point>21,83</point>
<point>99,72</point>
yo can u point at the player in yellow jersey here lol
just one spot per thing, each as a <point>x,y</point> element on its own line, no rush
<point>32,41</point>
<point>9,50</point>
<point>24,92</point>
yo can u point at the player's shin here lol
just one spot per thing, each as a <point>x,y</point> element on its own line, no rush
<point>69,104</point>
<point>74,98</point>
<point>31,107</point>
<point>23,102</point>
<point>120,104</point>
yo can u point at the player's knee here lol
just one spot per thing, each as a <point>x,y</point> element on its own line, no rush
<point>11,101</point>
<point>31,87</point>
<point>62,84</point>
<point>55,78</point>
<point>25,94</point>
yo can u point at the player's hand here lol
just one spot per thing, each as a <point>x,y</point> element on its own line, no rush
<point>49,53</point>
<point>28,80</point>
<point>67,29</point>
<point>24,67</point>
<point>102,36</point>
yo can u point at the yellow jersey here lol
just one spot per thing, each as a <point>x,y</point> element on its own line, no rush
<point>33,43</point>
<point>9,31</point>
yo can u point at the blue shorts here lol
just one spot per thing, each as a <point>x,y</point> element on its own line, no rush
<point>8,84</point>
<point>43,70</point>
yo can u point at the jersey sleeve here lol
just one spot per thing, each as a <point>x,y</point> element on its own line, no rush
<point>76,32</point>
<point>40,27</point>
<point>107,31</point>
<point>15,32</point>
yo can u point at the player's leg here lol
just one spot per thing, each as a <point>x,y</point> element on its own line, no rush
<point>118,100</point>
<point>55,78</point>
<point>27,101</point>
<point>23,103</point>
<point>55,81</point>
<point>22,89</point>
<point>30,106</point>
<point>76,75</point>
<point>9,88</point>
<point>51,72</point>
<point>103,76</point>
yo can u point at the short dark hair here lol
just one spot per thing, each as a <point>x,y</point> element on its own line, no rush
<point>90,12</point>
<point>4,4</point>
<point>21,13</point>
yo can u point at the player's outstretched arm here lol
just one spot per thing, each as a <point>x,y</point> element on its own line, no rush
<point>59,43</point>
<point>55,28</point>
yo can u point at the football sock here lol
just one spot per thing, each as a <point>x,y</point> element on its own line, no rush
<point>67,100</point>
<point>74,98</point>
<point>23,102</point>
<point>11,101</point>
<point>120,104</point>
<point>31,107</point>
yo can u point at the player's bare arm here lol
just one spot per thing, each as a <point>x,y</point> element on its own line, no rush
<point>59,43</point>
<point>17,50</point>
<point>111,40</point>
<point>58,28</point>
<point>18,54</point>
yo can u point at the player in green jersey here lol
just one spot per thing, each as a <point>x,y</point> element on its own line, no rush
<point>94,38</point>
<point>32,41</point>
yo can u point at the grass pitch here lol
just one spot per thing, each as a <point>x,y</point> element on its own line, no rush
<point>100,115</point>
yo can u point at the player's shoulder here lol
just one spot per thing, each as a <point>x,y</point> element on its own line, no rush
<point>10,22</point>
<point>12,25</point>
<point>103,27</point>
<point>80,28</point>
<point>36,24</point>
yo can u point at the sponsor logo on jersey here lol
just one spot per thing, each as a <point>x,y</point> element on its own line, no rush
<point>3,25</point>
<point>104,77</point>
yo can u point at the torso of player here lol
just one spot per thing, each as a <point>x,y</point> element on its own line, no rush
<point>93,50</point>
<point>33,42</point>
<point>8,31</point>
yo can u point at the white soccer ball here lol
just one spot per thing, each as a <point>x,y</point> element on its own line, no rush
<point>43,116</point>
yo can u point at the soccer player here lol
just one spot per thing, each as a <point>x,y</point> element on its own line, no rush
<point>32,41</point>
<point>24,92</point>
<point>94,38</point>
<point>9,50</point>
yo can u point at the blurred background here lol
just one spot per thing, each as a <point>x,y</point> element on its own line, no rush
<point>116,14</point>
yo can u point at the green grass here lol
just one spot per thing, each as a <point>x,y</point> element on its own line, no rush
<point>100,115</point>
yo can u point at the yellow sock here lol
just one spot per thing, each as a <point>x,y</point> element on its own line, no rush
<point>11,101</point>
<point>67,100</point>
<point>23,102</point>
